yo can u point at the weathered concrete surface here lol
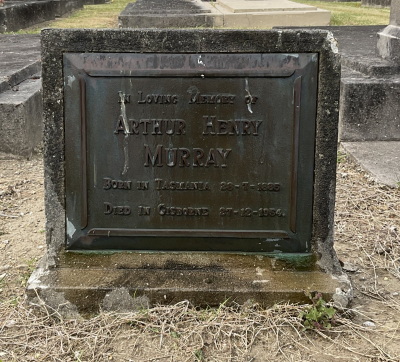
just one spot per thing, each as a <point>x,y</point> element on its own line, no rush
<point>203,278</point>
<point>370,87</point>
<point>127,281</point>
<point>237,14</point>
<point>165,14</point>
<point>18,14</point>
<point>21,125</point>
<point>388,45</point>
<point>357,48</point>
<point>21,121</point>
<point>19,59</point>
<point>380,159</point>
<point>357,45</point>
<point>370,108</point>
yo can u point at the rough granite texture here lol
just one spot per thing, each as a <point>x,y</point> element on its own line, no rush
<point>55,42</point>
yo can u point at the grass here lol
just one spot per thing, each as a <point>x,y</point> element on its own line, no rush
<point>91,16</point>
<point>106,15</point>
<point>351,13</point>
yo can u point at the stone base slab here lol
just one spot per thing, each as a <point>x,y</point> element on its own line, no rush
<point>239,6</point>
<point>272,18</point>
<point>84,280</point>
<point>370,156</point>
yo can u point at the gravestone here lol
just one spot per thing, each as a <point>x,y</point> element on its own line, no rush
<point>16,15</point>
<point>195,164</point>
<point>222,13</point>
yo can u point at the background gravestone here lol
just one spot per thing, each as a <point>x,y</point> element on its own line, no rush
<point>221,13</point>
<point>231,220</point>
<point>18,14</point>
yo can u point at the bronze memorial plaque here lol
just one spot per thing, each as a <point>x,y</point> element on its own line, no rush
<point>202,152</point>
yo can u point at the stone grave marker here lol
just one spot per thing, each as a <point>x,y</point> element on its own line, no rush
<point>221,14</point>
<point>189,164</point>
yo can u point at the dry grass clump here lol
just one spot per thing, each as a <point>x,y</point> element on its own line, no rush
<point>177,333</point>
<point>367,236</point>
<point>368,219</point>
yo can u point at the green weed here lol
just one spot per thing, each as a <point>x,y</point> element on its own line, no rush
<point>341,157</point>
<point>318,315</point>
<point>199,355</point>
<point>175,334</point>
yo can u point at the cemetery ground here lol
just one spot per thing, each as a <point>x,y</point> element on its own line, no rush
<point>367,240</point>
<point>106,15</point>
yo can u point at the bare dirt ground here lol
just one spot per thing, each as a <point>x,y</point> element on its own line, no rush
<point>367,242</point>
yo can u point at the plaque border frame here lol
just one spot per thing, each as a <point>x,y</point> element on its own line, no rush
<point>56,42</point>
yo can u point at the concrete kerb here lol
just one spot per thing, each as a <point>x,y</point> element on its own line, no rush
<point>21,121</point>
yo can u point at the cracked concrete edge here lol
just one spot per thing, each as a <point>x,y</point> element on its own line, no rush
<point>344,293</point>
<point>41,294</point>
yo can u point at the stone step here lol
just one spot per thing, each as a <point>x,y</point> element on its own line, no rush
<point>19,59</point>
<point>380,159</point>
<point>370,87</point>
<point>21,121</point>
<point>369,107</point>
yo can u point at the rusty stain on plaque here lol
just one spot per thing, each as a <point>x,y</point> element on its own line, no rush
<point>210,152</point>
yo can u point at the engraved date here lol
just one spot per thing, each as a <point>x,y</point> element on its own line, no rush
<point>245,186</point>
<point>249,212</point>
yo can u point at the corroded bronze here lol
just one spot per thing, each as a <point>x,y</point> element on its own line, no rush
<point>190,151</point>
